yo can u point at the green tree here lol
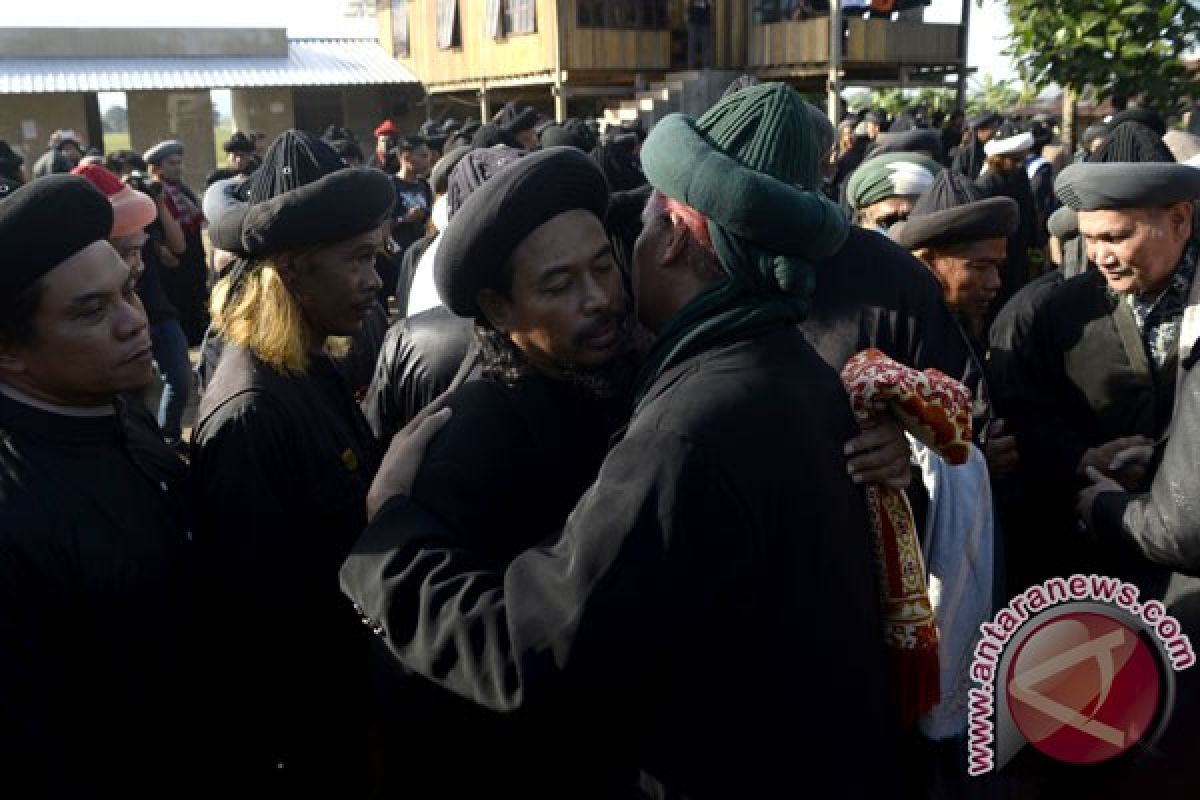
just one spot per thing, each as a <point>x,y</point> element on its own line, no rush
<point>1120,49</point>
<point>989,94</point>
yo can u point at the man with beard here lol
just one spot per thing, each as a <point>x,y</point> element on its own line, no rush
<point>95,538</point>
<point>669,624</point>
<point>1111,342</point>
<point>526,257</point>
<point>281,461</point>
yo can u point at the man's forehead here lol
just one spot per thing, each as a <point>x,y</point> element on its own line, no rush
<point>571,237</point>
<point>1092,223</point>
<point>97,268</point>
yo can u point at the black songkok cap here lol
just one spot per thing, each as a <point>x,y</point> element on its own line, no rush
<point>498,216</point>
<point>474,169</point>
<point>332,209</point>
<point>489,135</point>
<point>514,118</point>
<point>238,143</point>
<point>915,140</point>
<point>1093,187</point>
<point>572,133</point>
<point>44,223</point>
<point>988,119</point>
<point>1132,141</point>
<point>955,211</point>
<point>294,159</point>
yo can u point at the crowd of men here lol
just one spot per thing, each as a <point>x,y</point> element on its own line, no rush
<point>523,464</point>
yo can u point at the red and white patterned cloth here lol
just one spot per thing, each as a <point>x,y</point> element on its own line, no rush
<point>936,410</point>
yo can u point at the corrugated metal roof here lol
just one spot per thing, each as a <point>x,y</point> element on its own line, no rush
<point>310,62</point>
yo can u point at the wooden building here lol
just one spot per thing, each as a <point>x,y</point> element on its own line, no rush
<point>578,55</point>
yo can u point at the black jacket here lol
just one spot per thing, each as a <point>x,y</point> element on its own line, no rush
<point>681,614</point>
<point>502,476</point>
<point>95,607</point>
<point>874,293</point>
<point>282,464</point>
<point>418,360</point>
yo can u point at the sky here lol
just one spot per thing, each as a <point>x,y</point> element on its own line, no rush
<point>989,27</point>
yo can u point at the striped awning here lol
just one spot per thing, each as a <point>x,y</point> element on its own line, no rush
<point>309,62</point>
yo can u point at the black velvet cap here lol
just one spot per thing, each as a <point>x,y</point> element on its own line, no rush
<point>915,140</point>
<point>498,216</point>
<point>238,143</point>
<point>513,118</point>
<point>331,209</point>
<point>987,119</point>
<point>1092,187</point>
<point>44,223</point>
<point>955,211</point>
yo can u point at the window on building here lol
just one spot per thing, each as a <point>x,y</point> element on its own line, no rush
<point>449,33</point>
<point>634,14</point>
<point>400,28</point>
<point>510,17</point>
<point>519,16</point>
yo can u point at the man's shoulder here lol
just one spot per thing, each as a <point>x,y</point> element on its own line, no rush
<point>744,384</point>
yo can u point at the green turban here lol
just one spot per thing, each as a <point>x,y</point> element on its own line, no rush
<point>891,175</point>
<point>751,166</point>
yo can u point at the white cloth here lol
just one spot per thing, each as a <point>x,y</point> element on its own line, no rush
<point>959,549</point>
<point>1013,144</point>
<point>424,295</point>
<point>1033,164</point>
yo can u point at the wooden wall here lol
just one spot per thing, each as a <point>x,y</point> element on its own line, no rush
<point>878,41</point>
<point>788,43</point>
<point>870,41</point>
<point>480,56</point>
<point>613,49</point>
<point>730,29</point>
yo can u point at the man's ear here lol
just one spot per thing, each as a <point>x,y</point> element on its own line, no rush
<point>1181,216</point>
<point>496,308</point>
<point>677,243</point>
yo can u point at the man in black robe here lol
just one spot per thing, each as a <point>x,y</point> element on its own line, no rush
<point>673,617</point>
<point>282,459</point>
<point>94,533</point>
<point>1107,342</point>
<point>527,259</point>
<point>970,157</point>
